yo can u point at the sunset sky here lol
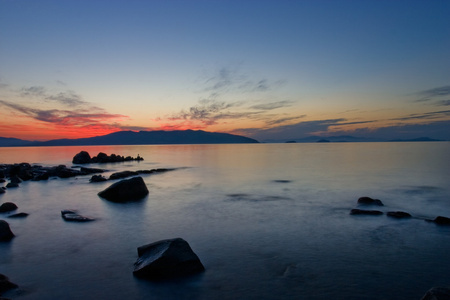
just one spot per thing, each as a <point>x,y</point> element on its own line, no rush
<point>263,69</point>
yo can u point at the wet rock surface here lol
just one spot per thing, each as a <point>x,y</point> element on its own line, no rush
<point>437,293</point>
<point>371,201</point>
<point>73,216</point>
<point>398,214</point>
<point>167,259</point>
<point>356,211</point>
<point>7,207</point>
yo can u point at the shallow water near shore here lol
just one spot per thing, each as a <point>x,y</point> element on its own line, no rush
<point>268,221</point>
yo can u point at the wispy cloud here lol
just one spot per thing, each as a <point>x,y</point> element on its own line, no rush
<point>272,105</point>
<point>443,103</point>
<point>432,94</point>
<point>66,98</point>
<point>77,117</point>
<point>427,115</point>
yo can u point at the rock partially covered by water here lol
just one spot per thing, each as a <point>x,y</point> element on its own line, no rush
<point>368,200</point>
<point>5,284</point>
<point>125,190</point>
<point>167,259</point>
<point>97,178</point>
<point>7,207</point>
<point>5,232</point>
<point>398,214</point>
<point>440,220</point>
<point>122,174</point>
<point>19,215</point>
<point>356,211</point>
<point>71,215</point>
<point>437,293</point>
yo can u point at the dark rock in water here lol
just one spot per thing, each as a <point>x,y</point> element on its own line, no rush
<point>2,190</point>
<point>123,174</point>
<point>7,207</point>
<point>82,158</point>
<point>6,285</point>
<point>167,259</point>
<point>97,178</point>
<point>19,215</point>
<point>437,293</point>
<point>5,232</point>
<point>368,200</point>
<point>15,179</point>
<point>152,171</point>
<point>442,220</point>
<point>125,190</point>
<point>356,211</point>
<point>71,215</point>
<point>90,170</point>
<point>38,176</point>
<point>12,185</point>
<point>398,214</point>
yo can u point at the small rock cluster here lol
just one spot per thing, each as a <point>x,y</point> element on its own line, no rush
<point>85,158</point>
<point>440,220</point>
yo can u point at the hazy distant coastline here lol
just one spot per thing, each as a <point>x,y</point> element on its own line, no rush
<point>185,137</point>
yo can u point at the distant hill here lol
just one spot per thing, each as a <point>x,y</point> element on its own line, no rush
<point>12,142</point>
<point>347,138</point>
<point>142,138</point>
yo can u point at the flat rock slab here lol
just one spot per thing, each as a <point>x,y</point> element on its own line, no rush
<point>167,259</point>
<point>19,215</point>
<point>398,214</point>
<point>126,190</point>
<point>356,211</point>
<point>73,216</point>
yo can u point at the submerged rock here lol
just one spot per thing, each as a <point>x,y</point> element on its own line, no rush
<point>6,285</point>
<point>356,211</point>
<point>368,200</point>
<point>97,178</point>
<point>19,215</point>
<point>440,220</point>
<point>12,185</point>
<point>123,174</point>
<point>5,232</point>
<point>7,207</point>
<point>437,293</point>
<point>71,215</point>
<point>398,214</point>
<point>132,189</point>
<point>167,259</point>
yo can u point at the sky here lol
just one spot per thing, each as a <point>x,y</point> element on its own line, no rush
<point>270,70</point>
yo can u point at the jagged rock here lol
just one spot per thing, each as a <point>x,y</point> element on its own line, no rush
<point>6,285</point>
<point>167,259</point>
<point>125,190</point>
<point>123,174</point>
<point>5,232</point>
<point>15,179</point>
<point>7,207</point>
<point>97,178</point>
<point>398,214</point>
<point>368,200</point>
<point>82,158</point>
<point>71,215</point>
<point>19,215</point>
<point>437,293</point>
<point>356,211</point>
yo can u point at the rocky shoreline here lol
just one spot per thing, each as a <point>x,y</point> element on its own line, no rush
<point>161,260</point>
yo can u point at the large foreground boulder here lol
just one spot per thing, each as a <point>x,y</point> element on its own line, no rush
<point>5,232</point>
<point>167,259</point>
<point>132,189</point>
<point>5,284</point>
<point>437,293</point>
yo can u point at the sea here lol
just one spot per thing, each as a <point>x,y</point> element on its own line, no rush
<point>268,221</point>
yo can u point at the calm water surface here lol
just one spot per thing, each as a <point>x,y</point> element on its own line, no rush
<point>268,221</point>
